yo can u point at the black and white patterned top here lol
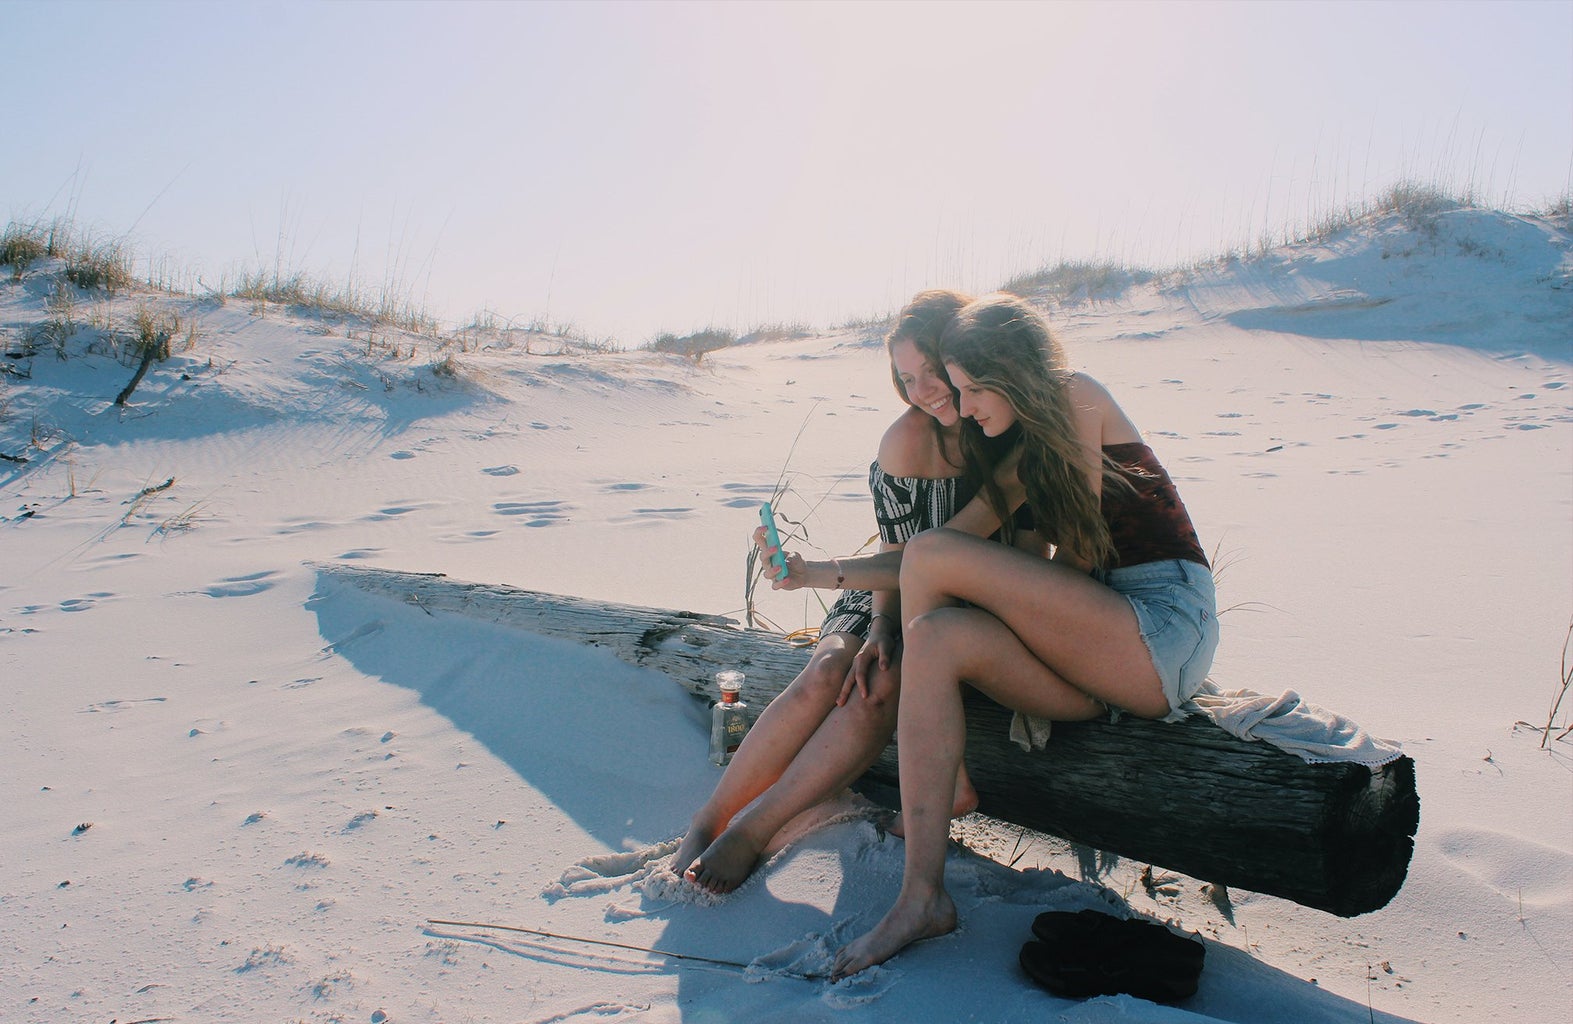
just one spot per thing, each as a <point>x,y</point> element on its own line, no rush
<point>904,506</point>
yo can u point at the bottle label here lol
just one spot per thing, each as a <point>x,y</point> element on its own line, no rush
<point>736,729</point>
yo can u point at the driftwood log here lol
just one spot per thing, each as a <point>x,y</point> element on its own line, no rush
<point>1186,796</point>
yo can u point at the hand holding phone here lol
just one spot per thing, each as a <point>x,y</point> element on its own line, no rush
<point>768,517</point>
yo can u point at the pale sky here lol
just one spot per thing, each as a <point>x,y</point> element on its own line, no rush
<point>630,168</point>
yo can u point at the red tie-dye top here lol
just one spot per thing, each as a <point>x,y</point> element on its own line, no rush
<point>1149,523</point>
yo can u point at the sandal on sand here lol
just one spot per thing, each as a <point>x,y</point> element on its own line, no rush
<point>1083,954</point>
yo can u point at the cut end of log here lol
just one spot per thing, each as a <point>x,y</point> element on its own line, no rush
<point>1371,837</point>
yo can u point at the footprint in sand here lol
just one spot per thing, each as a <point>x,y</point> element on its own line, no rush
<point>746,495</point>
<point>644,515</point>
<point>392,512</point>
<point>360,821</point>
<point>402,455</point>
<point>1519,869</point>
<point>292,526</point>
<point>356,554</point>
<point>468,537</point>
<point>605,872</point>
<point>625,487</point>
<point>123,556</point>
<point>241,586</point>
<point>535,513</point>
<point>121,705</point>
<point>500,470</point>
<point>82,604</point>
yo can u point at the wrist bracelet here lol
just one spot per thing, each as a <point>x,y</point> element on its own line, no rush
<point>887,616</point>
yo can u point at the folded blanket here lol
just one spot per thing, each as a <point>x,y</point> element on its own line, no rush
<point>1310,732</point>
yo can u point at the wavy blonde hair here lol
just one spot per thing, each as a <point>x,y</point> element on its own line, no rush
<point>1003,345</point>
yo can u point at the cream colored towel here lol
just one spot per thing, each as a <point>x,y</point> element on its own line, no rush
<point>1312,733</point>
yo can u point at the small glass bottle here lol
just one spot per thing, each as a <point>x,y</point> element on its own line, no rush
<point>728,723</point>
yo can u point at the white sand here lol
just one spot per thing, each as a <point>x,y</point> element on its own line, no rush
<point>285,778</point>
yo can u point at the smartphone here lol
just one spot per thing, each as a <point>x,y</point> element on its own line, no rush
<point>768,517</point>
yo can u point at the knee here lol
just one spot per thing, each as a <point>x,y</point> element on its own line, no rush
<point>927,550</point>
<point>937,637</point>
<point>822,677</point>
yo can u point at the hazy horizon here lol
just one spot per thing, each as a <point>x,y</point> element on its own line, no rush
<point>636,168</point>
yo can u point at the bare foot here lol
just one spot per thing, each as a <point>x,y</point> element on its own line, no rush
<point>688,850</point>
<point>962,804</point>
<point>909,921</point>
<point>725,864</point>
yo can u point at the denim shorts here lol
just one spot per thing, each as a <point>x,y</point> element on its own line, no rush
<point>1177,610</point>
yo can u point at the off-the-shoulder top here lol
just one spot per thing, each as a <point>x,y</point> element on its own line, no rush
<point>904,506</point>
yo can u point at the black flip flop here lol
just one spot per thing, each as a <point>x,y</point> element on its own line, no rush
<point>1088,953</point>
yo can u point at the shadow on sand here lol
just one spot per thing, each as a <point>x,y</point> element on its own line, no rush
<point>621,752</point>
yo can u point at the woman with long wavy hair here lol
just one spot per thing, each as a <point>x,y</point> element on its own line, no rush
<point>837,716</point>
<point>1121,617</point>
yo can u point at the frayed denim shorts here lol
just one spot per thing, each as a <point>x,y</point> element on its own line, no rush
<point>1177,610</point>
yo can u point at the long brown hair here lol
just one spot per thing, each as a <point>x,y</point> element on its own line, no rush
<point>922,321</point>
<point>1003,345</point>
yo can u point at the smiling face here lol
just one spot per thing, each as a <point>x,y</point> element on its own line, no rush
<point>925,384</point>
<point>989,409</point>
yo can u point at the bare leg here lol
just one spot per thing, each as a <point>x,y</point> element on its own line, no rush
<point>963,802</point>
<point>851,738</point>
<point>1043,639</point>
<point>777,736</point>
<point>1083,635</point>
<point>932,723</point>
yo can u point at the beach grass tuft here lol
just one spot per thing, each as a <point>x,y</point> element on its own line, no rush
<point>21,246</point>
<point>100,266</point>
<point>1562,692</point>
<point>1073,281</point>
<point>693,346</point>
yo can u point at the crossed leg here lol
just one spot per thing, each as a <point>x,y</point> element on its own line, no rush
<point>1041,638</point>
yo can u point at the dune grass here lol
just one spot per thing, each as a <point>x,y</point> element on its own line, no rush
<point>88,272</point>
<point>693,346</point>
<point>1073,281</point>
<point>105,266</point>
<point>89,262</point>
<point>1562,692</point>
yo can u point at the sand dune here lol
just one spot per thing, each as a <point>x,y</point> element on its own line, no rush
<point>239,791</point>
